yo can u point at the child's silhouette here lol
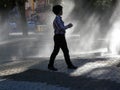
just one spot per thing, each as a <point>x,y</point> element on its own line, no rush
<point>59,39</point>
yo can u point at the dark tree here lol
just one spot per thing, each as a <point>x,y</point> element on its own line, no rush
<point>21,5</point>
<point>5,7</point>
<point>54,2</point>
<point>8,5</point>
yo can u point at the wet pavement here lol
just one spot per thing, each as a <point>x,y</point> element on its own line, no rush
<point>20,69</point>
<point>92,74</point>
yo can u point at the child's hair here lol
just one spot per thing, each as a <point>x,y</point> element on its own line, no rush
<point>56,9</point>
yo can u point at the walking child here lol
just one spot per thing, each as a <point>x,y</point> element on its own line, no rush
<point>59,39</point>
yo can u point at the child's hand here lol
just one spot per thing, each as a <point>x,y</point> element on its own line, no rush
<point>70,25</point>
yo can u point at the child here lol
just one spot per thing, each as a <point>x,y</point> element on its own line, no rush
<point>59,39</point>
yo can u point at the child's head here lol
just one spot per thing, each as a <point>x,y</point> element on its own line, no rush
<point>57,9</point>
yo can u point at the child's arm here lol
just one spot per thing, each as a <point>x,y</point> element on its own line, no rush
<point>61,26</point>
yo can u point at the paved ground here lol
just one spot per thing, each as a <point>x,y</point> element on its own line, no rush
<point>95,73</point>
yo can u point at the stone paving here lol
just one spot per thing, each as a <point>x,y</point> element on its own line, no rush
<point>93,73</point>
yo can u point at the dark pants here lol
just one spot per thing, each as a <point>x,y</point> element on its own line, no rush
<point>60,42</point>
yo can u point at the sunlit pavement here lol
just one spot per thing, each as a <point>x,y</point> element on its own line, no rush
<point>95,72</point>
<point>32,74</point>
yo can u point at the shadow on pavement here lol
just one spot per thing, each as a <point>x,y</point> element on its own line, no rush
<point>65,80</point>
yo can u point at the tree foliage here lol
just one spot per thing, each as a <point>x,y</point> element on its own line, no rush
<point>104,4</point>
<point>8,5</point>
<point>54,2</point>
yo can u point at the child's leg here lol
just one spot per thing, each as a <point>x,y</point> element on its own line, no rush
<point>53,55</point>
<point>65,50</point>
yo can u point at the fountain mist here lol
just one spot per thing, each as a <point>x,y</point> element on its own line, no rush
<point>113,36</point>
<point>85,36</point>
<point>92,32</point>
<point>48,46</point>
<point>98,30</point>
